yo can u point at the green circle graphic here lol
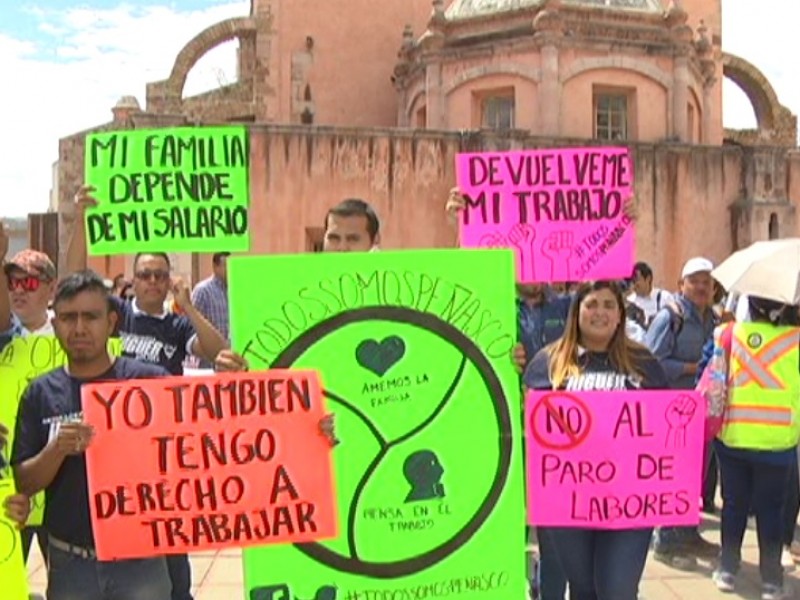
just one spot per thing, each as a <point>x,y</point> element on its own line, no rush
<point>405,407</point>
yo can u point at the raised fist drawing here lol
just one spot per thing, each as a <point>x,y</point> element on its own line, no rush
<point>679,414</point>
<point>558,248</point>
<point>493,240</point>
<point>522,236</point>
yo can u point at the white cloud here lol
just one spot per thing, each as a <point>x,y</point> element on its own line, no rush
<point>86,59</point>
<point>83,61</point>
<point>758,32</point>
<point>15,48</point>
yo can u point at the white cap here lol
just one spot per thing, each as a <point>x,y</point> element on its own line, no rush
<point>698,264</point>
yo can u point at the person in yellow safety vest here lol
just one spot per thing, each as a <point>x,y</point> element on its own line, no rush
<point>758,372</point>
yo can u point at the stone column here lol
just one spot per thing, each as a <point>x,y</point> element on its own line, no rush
<point>680,97</point>
<point>266,68</point>
<point>402,108</point>
<point>548,28</point>
<point>550,92</point>
<point>708,88</point>
<point>435,97</point>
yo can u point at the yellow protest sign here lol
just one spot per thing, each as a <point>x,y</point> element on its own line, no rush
<point>13,577</point>
<point>21,361</point>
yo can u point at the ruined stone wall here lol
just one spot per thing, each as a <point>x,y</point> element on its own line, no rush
<point>686,194</point>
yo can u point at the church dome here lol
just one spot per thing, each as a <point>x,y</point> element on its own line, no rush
<point>649,5</point>
<point>466,9</point>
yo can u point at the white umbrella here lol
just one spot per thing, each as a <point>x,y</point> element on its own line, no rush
<point>767,269</point>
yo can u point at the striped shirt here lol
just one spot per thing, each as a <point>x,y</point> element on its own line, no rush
<point>210,297</point>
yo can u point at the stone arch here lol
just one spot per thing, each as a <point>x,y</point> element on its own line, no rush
<point>625,63</point>
<point>757,88</point>
<point>167,95</point>
<point>202,43</point>
<point>529,73</point>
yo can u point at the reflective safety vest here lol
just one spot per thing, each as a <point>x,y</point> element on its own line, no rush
<point>764,388</point>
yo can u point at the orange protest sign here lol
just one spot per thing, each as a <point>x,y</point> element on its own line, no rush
<point>182,464</point>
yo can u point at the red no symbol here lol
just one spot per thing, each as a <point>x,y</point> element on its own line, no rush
<point>560,421</point>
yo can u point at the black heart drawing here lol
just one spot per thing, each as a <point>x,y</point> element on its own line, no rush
<point>380,357</point>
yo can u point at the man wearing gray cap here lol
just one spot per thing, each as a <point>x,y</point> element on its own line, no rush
<point>676,337</point>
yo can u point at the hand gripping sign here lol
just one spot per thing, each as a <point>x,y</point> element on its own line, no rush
<point>614,460</point>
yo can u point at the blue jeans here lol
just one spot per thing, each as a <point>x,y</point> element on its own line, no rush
<point>71,577</point>
<point>180,574</point>
<point>791,506</point>
<point>747,483</point>
<point>552,580</point>
<point>602,565</point>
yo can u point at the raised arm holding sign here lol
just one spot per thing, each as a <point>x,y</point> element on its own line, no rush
<point>182,189</point>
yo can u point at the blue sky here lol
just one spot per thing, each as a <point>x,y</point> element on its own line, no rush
<point>71,61</point>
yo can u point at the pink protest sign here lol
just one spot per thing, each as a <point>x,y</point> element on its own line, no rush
<point>561,210</point>
<point>614,460</point>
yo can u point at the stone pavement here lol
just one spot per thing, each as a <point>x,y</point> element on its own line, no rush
<point>218,575</point>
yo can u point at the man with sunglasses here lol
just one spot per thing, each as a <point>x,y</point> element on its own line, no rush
<point>26,290</point>
<point>152,334</point>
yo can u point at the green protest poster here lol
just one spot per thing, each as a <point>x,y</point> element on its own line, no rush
<point>180,189</point>
<point>21,361</point>
<point>13,575</point>
<point>414,350</point>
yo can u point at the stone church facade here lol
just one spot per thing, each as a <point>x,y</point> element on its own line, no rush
<point>344,101</point>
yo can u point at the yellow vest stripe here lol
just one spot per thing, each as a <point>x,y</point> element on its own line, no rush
<point>762,417</point>
<point>751,371</point>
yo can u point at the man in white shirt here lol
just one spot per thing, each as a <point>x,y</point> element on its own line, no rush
<point>650,299</point>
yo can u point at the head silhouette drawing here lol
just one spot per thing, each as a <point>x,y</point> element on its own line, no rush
<point>271,592</point>
<point>326,592</point>
<point>281,592</point>
<point>423,471</point>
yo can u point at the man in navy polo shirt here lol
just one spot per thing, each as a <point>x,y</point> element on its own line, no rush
<point>50,442</point>
<point>154,335</point>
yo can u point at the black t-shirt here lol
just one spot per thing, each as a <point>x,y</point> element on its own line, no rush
<point>157,340</point>
<point>49,400</point>
<point>598,374</point>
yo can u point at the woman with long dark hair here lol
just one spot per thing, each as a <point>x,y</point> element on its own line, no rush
<point>599,564</point>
